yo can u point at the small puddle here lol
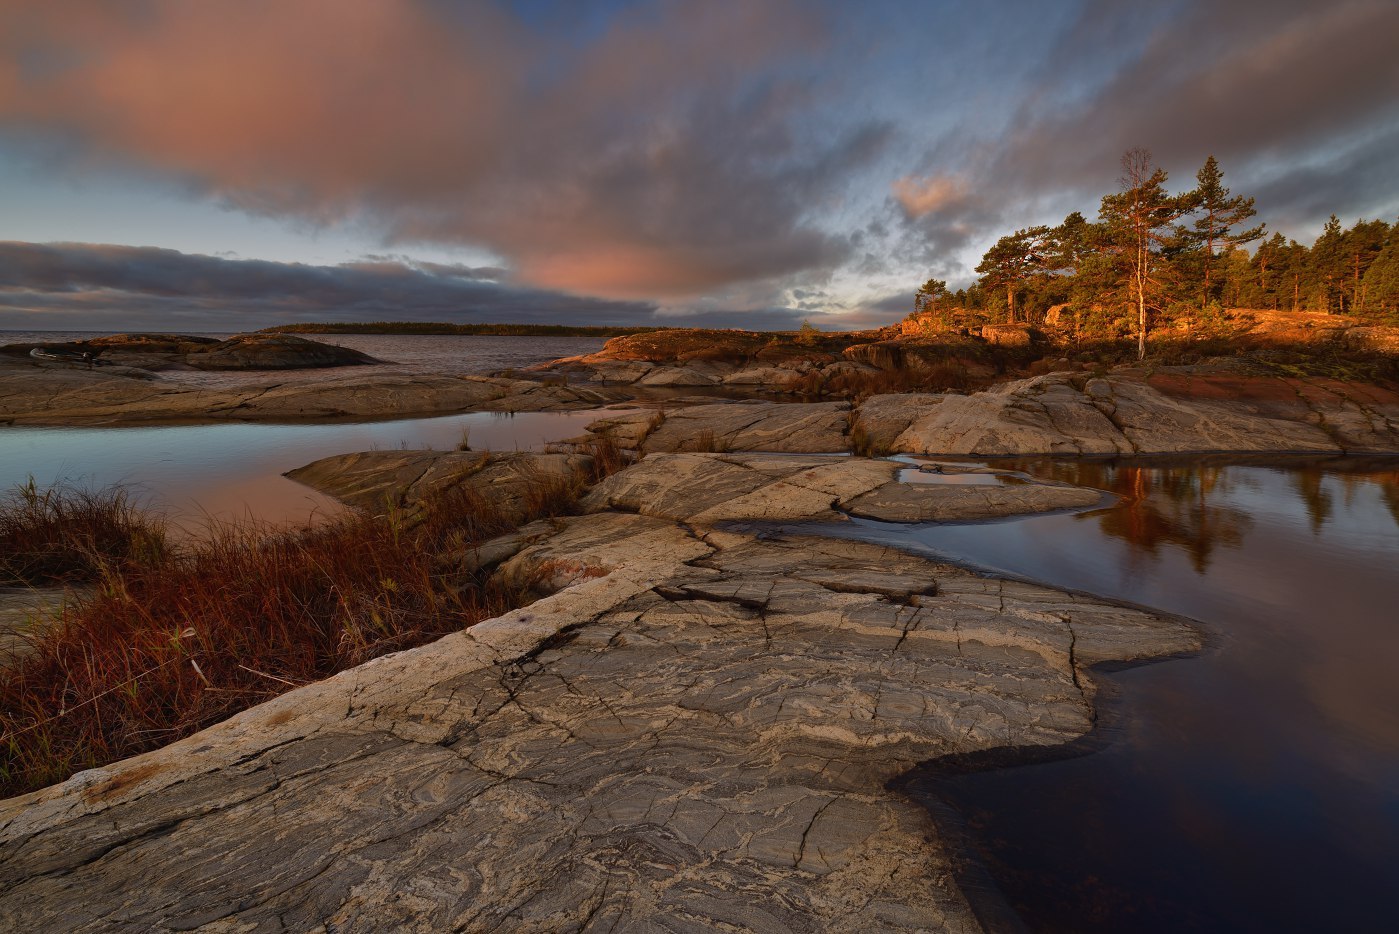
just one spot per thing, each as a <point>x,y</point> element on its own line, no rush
<point>946,478</point>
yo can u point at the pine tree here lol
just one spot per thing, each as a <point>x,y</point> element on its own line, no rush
<point>1014,259</point>
<point>928,294</point>
<point>1381,280</point>
<point>1327,268</point>
<point>1220,213</point>
<point>1140,221</point>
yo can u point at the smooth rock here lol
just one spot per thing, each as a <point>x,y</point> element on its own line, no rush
<point>34,394</point>
<point>796,428</point>
<point>1057,415</point>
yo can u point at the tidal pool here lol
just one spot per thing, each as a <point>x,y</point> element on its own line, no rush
<point>1252,788</point>
<point>233,470</point>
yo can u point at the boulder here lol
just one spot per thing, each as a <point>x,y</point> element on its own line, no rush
<point>1007,335</point>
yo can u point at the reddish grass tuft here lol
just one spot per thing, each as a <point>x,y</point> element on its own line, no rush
<point>68,536</point>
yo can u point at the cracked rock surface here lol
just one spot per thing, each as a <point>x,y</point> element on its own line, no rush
<point>693,732</point>
<point>708,488</point>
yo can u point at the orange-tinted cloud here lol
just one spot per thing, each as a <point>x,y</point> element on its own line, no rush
<point>653,159</point>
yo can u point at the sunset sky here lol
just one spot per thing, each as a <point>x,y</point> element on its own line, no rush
<point>227,165</point>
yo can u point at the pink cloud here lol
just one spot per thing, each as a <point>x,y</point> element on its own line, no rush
<point>605,166</point>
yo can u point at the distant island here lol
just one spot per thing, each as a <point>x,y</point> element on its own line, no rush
<point>439,327</point>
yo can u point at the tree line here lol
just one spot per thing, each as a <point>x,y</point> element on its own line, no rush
<point>438,327</point>
<point>1154,258</point>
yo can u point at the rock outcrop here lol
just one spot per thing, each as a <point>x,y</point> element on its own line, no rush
<point>710,488</point>
<point>1073,414</point>
<point>697,733</point>
<point>377,480</point>
<point>698,357</point>
<point>154,352</point>
<point>792,428</point>
<point>35,394</point>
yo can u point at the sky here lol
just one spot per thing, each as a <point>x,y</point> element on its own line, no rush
<point>231,164</point>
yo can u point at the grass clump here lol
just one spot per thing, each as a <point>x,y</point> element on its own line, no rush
<point>864,444</point>
<point>62,536</point>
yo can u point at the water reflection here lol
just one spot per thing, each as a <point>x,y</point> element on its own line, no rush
<point>1192,506</point>
<point>1253,788</point>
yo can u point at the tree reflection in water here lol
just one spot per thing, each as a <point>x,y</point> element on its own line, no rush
<point>1181,503</point>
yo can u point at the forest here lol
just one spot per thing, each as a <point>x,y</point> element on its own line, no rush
<point>1153,259</point>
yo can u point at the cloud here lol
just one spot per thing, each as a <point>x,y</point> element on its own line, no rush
<point>660,158</point>
<point>704,155</point>
<point>1300,103</point>
<point>920,196</point>
<point>46,286</point>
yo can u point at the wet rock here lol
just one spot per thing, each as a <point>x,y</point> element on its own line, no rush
<point>914,502</point>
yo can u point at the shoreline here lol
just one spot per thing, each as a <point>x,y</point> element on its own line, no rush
<point>655,560</point>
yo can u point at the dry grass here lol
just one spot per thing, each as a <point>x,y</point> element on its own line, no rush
<point>862,443</point>
<point>706,441</point>
<point>183,639</point>
<point>65,536</point>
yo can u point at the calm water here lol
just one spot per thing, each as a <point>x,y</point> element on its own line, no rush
<point>233,470</point>
<point>1253,788</point>
<point>447,354</point>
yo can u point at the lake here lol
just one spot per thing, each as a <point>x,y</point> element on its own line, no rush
<point>234,470</point>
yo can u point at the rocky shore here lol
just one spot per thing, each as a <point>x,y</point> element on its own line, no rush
<point>695,724</point>
<point>1225,406</point>
<point>693,728</point>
